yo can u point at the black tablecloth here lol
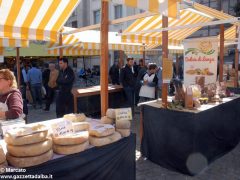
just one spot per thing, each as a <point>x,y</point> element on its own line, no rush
<point>115,161</point>
<point>187,142</point>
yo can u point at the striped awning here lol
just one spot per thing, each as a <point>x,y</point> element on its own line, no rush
<point>6,42</point>
<point>230,33</point>
<point>164,7</point>
<point>34,19</point>
<point>175,37</point>
<point>90,40</point>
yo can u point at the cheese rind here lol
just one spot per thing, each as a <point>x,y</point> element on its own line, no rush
<point>70,149</point>
<point>124,132</point>
<point>101,141</point>
<point>75,117</point>
<point>101,130</point>
<point>30,149</point>
<point>81,126</point>
<point>24,140</point>
<point>123,124</point>
<point>29,161</point>
<point>111,113</point>
<point>2,156</point>
<point>106,120</point>
<point>76,138</point>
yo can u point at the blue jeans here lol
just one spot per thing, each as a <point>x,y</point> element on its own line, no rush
<point>36,90</point>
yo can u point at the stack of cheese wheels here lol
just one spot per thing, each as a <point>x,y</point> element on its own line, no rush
<point>72,143</point>
<point>28,146</point>
<point>123,127</point>
<point>109,118</point>
<point>103,134</point>
<point>3,161</point>
<point>75,117</point>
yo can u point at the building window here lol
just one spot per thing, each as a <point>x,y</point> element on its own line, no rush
<point>96,16</point>
<point>74,24</point>
<point>118,11</point>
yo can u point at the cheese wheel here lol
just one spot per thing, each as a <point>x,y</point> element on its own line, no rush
<point>30,149</point>
<point>111,113</point>
<point>3,167</point>
<point>124,132</point>
<point>76,138</point>
<point>24,140</point>
<point>22,162</point>
<point>75,117</point>
<point>101,130</point>
<point>70,149</point>
<point>101,141</point>
<point>2,156</point>
<point>106,120</point>
<point>81,126</point>
<point>123,124</point>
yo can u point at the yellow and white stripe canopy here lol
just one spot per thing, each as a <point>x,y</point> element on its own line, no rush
<point>34,19</point>
<point>89,40</point>
<point>164,7</point>
<point>6,42</point>
<point>175,37</point>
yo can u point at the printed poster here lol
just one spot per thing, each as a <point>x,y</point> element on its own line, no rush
<point>200,59</point>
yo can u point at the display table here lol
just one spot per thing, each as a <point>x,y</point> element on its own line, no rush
<point>87,100</point>
<point>187,142</point>
<point>114,161</point>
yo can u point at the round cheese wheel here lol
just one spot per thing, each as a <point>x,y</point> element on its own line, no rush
<point>101,130</point>
<point>2,156</point>
<point>29,161</point>
<point>75,117</point>
<point>106,120</point>
<point>30,149</point>
<point>111,113</point>
<point>101,141</point>
<point>70,149</point>
<point>124,132</point>
<point>81,126</point>
<point>123,124</point>
<point>76,138</point>
<point>24,140</point>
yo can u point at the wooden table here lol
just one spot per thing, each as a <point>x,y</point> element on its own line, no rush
<point>91,91</point>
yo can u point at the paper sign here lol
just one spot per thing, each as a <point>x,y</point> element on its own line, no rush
<point>123,114</point>
<point>167,71</point>
<point>62,128</point>
<point>1,59</point>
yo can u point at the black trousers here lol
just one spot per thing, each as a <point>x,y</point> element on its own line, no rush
<point>64,103</point>
<point>50,97</point>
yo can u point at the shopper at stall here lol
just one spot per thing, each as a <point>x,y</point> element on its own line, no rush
<point>159,84</point>
<point>11,103</point>
<point>114,73</point>
<point>149,84</point>
<point>34,77</point>
<point>64,102</point>
<point>128,81</point>
<point>52,85</point>
<point>45,77</point>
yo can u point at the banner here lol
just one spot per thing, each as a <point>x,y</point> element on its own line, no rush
<point>200,59</point>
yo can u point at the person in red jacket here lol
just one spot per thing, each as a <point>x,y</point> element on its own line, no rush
<point>11,103</point>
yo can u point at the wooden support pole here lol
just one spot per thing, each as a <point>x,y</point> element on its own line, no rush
<point>18,68</point>
<point>121,59</point>
<point>221,53</point>
<point>236,61</point>
<point>104,58</point>
<point>164,55</point>
<point>60,44</point>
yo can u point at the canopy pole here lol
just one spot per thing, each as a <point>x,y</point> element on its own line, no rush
<point>164,55</point>
<point>221,53</point>
<point>104,58</point>
<point>18,68</point>
<point>236,60</point>
<point>121,59</point>
<point>60,44</point>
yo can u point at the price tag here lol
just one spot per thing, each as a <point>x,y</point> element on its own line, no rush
<point>62,128</point>
<point>123,114</point>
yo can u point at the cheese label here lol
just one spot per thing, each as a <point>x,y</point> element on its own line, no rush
<point>123,114</point>
<point>62,128</point>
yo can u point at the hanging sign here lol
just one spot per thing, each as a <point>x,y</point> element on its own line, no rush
<point>200,59</point>
<point>123,114</point>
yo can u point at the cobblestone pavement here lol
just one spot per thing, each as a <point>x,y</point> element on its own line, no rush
<point>225,168</point>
